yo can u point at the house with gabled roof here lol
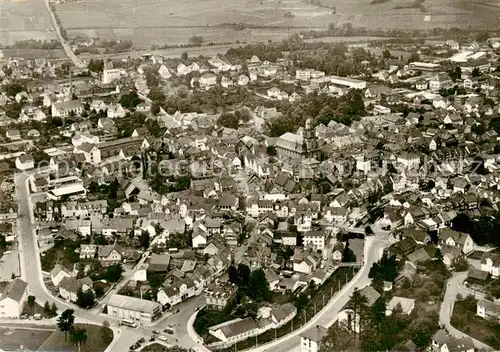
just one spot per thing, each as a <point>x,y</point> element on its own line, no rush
<point>109,254</point>
<point>457,239</point>
<point>25,162</point>
<point>490,262</point>
<point>12,299</point>
<point>58,274</point>
<point>488,309</point>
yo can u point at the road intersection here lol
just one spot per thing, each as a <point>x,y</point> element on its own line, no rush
<point>454,286</point>
<point>31,272</point>
<point>181,322</point>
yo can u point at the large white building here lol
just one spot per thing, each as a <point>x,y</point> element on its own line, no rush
<point>109,75</point>
<point>131,308</point>
<point>12,299</point>
<point>348,82</point>
<point>71,190</point>
<point>235,330</point>
<point>292,145</point>
<point>67,108</point>
<point>424,66</point>
<point>488,310</point>
<point>316,239</point>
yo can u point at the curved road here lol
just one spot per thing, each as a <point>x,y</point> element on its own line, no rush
<point>454,287</point>
<point>69,52</point>
<point>31,272</point>
<point>326,317</point>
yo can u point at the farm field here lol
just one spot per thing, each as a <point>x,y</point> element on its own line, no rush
<point>24,19</point>
<point>151,22</point>
<point>31,54</point>
<point>481,14</point>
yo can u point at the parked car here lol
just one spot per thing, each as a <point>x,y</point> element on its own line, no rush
<point>156,332</point>
<point>133,347</point>
<point>162,338</point>
<point>24,316</point>
<point>141,340</point>
<point>152,338</point>
<point>37,317</point>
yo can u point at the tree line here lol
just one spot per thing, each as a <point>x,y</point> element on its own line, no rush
<point>322,108</point>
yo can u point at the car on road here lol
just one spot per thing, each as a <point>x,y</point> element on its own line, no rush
<point>162,338</point>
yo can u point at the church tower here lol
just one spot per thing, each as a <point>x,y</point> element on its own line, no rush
<point>310,142</point>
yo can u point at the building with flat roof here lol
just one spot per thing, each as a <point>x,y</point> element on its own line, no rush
<point>132,308</point>
<point>348,82</point>
<point>424,66</point>
<point>74,189</point>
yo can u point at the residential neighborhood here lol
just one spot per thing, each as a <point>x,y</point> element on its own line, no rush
<point>258,200</point>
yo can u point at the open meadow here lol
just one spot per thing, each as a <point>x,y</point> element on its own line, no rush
<point>149,22</point>
<point>24,19</point>
<point>411,14</point>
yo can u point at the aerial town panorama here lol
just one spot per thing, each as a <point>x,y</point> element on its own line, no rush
<point>263,176</point>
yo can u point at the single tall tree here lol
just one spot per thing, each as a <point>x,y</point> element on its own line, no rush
<point>243,274</point>
<point>233,274</point>
<point>258,286</point>
<point>46,309</point>
<point>53,310</point>
<point>65,322</point>
<point>31,301</point>
<point>78,336</point>
<point>144,239</point>
<point>358,302</point>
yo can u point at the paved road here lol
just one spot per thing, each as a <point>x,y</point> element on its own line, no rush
<point>69,52</point>
<point>454,287</point>
<point>291,342</point>
<point>31,270</point>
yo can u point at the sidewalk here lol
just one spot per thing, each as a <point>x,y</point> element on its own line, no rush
<point>194,336</point>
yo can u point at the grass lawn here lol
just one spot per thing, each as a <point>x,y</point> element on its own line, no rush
<point>427,287</point>
<point>31,339</point>
<point>95,341</point>
<point>464,318</point>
